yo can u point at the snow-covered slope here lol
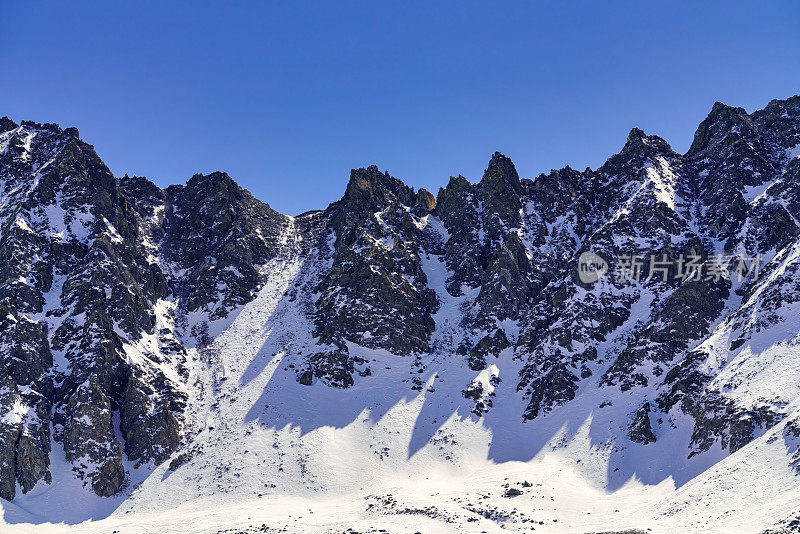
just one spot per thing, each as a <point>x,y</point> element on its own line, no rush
<point>189,360</point>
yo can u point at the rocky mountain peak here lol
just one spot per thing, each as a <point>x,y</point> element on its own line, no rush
<point>724,125</point>
<point>636,135</point>
<point>425,201</point>
<point>500,176</point>
<point>639,144</point>
<point>6,124</point>
<point>781,118</point>
<point>372,187</point>
<point>216,185</point>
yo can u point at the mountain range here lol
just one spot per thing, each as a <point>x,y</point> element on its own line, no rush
<point>404,360</point>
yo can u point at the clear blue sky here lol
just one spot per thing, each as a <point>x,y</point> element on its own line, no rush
<point>288,97</point>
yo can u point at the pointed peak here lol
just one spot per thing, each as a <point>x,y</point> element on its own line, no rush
<point>501,170</point>
<point>637,141</point>
<point>720,122</point>
<point>371,183</point>
<point>498,161</point>
<point>638,147</point>
<point>788,107</point>
<point>718,107</point>
<point>370,174</point>
<point>636,135</point>
<point>7,124</point>
<point>719,110</point>
<point>425,200</point>
<point>458,182</point>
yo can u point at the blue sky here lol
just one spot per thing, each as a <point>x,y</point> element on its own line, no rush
<point>288,97</point>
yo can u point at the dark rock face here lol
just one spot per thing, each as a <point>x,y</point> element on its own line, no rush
<point>216,234</point>
<point>727,194</point>
<point>148,422</point>
<point>108,284</point>
<point>486,347</point>
<point>90,264</point>
<point>24,454</point>
<point>484,249</point>
<point>640,430</point>
<point>630,207</point>
<point>89,438</point>
<point>684,316</point>
<point>375,293</point>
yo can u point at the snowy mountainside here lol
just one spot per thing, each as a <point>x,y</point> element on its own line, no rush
<point>437,362</point>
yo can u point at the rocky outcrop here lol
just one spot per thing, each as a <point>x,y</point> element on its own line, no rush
<point>215,236</point>
<point>484,248</point>
<point>89,438</point>
<point>375,293</point>
<point>640,430</point>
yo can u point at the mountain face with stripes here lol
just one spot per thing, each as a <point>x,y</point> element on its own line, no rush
<point>147,330</point>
